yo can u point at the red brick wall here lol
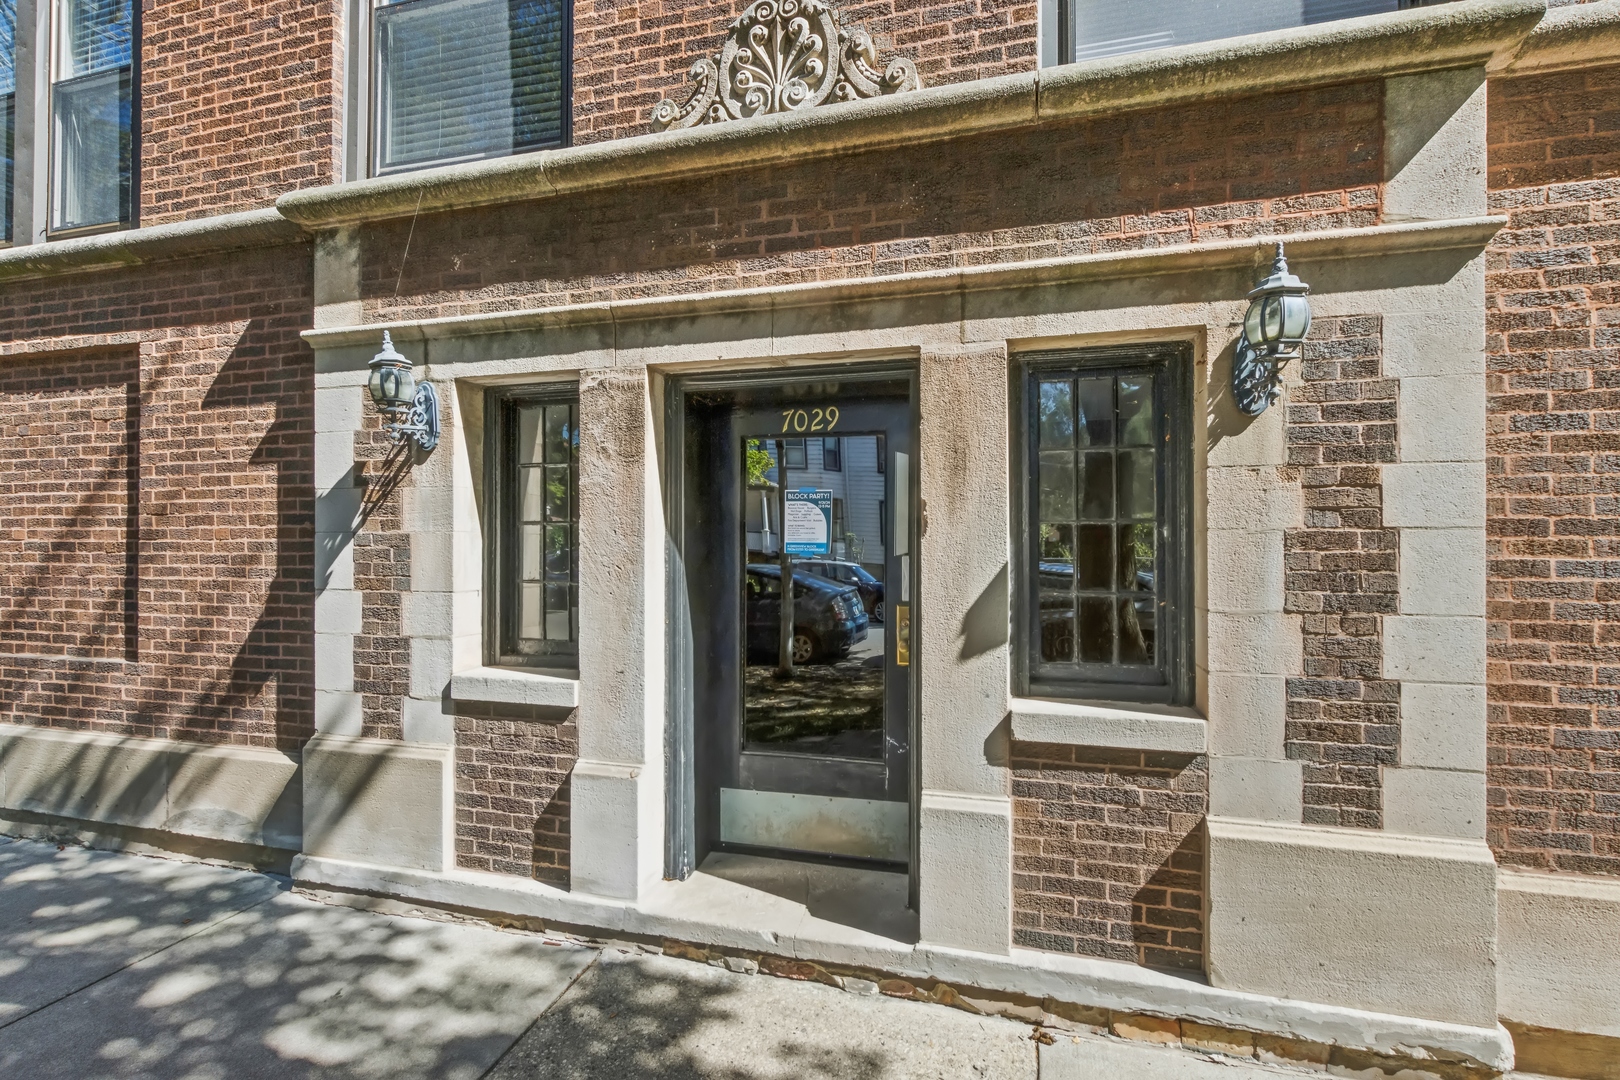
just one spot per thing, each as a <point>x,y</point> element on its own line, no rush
<point>1108,854</point>
<point>222,534</point>
<point>512,789</point>
<point>237,104</point>
<point>1340,574</point>
<point>629,56</point>
<point>1289,162</point>
<point>1553,461</point>
<point>68,460</point>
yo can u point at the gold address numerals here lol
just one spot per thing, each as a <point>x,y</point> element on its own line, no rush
<point>798,421</point>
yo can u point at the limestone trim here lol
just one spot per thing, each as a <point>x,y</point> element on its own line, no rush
<point>1468,33</point>
<point>508,686</point>
<point>1116,727</point>
<point>1571,36</point>
<point>1376,241</point>
<point>136,247</point>
<point>238,794</point>
<point>681,911</point>
<point>1549,973</point>
<point>782,55</point>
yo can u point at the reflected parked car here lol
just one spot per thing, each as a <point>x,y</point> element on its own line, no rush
<point>828,618</point>
<point>1057,615</point>
<point>849,573</point>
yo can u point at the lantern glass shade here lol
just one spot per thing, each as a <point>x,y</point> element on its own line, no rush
<point>392,386</point>
<point>1251,322</point>
<point>1296,317</point>
<point>1277,319</point>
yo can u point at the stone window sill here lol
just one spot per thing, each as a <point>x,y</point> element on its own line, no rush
<point>1109,725</point>
<point>513,686</point>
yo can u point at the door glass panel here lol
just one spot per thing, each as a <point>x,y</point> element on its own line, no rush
<point>826,696</point>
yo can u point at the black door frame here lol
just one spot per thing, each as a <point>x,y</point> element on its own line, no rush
<point>685,842</point>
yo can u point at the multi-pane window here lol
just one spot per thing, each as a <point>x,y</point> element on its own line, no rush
<point>832,455</point>
<point>458,80</point>
<point>536,586</point>
<point>92,145</point>
<point>1088,29</point>
<point>1105,524</point>
<point>794,454</point>
<point>8,112</point>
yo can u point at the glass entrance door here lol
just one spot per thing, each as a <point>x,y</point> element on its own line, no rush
<point>799,561</point>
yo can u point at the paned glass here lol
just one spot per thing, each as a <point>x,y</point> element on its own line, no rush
<point>1057,414</point>
<point>1098,502</point>
<point>546,452</point>
<point>1096,630</point>
<point>8,111</point>
<point>459,80</point>
<point>1098,519</point>
<point>1100,28</point>
<point>92,36</point>
<point>1136,484</point>
<point>1057,486</point>
<point>1136,411</point>
<point>1096,402</point>
<point>91,113</point>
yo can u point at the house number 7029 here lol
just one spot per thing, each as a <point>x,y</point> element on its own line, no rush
<point>809,419</point>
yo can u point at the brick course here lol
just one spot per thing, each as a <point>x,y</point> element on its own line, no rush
<point>222,533</point>
<point>629,56</point>
<point>238,104</point>
<point>512,791</point>
<point>68,461</point>
<point>1553,473</point>
<point>1340,574</point>
<point>1108,854</point>
<point>1290,162</point>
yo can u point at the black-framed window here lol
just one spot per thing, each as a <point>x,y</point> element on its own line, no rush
<point>533,473</point>
<point>1103,441</point>
<point>1091,29</point>
<point>8,112</point>
<point>832,455</point>
<point>461,80</point>
<point>93,78</point>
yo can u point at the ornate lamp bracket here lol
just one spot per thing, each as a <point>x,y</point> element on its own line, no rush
<point>782,56</point>
<point>409,409</point>
<point>1274,330</point>
<point>420,423</point>
<point>1256,376</point>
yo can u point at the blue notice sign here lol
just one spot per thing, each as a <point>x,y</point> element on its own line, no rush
<point>807,529</point>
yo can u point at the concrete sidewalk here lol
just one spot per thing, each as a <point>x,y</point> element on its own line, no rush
<point>122,966</point>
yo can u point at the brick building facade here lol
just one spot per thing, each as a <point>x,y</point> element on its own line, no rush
<point>1380,711</point>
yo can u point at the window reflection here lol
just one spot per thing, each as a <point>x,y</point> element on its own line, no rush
<point>1097,505</point>
<point>459,80</point>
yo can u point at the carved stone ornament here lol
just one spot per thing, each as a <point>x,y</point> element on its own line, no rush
<point>783,55</point>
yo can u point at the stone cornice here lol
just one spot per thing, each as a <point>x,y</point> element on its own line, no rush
<point>1251,252</point>
<point>1574,35</point>
<point>1470,32</point>
<point>135,247</point>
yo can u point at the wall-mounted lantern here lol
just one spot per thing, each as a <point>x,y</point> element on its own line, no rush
<point>410,409</point>
<point>1274,328</point>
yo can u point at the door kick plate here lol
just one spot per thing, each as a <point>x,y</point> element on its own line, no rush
<point>859,828</point>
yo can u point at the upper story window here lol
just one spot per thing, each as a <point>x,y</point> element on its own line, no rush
<point>459,80</point>
<point>1105,560</point>
<point>8,112</point>
<point>1089,29</point>
<point>92,146</point>
<point>533,556</point>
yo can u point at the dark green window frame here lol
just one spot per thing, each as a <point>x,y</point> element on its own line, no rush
<point>532,548</point>
<point>1080,627</point>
